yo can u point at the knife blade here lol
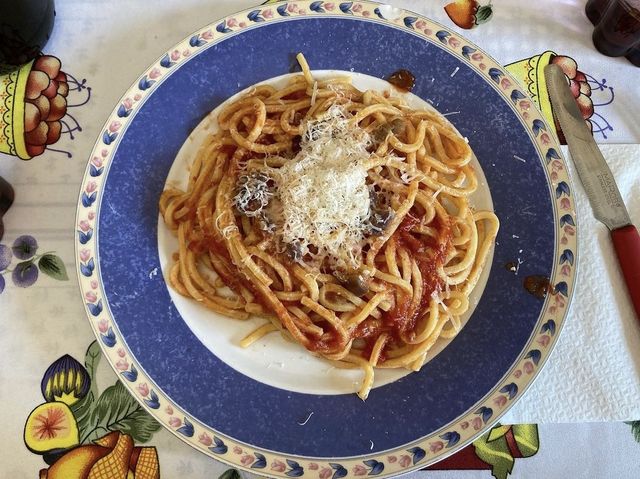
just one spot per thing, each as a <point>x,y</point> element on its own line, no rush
<point>597,179</point>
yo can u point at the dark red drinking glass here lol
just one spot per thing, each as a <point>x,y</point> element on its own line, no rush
<point>595,9</point>
<point>6,200</point>
<point>634,55</point>
<point>25,28</point>
<point>618,31</point>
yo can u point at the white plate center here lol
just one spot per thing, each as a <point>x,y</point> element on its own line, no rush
<point>273,360</point>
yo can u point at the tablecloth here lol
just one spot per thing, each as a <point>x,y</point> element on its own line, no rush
<point>103,47</point>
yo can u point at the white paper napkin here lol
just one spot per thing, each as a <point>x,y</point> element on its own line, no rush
<point>594,372</point>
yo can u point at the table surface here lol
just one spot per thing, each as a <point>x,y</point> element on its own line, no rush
<point>103,47</point>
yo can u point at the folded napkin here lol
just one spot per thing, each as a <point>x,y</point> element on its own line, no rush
<point>594,372</point>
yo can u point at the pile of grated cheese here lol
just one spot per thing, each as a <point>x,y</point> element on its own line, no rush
<point>324,197</point>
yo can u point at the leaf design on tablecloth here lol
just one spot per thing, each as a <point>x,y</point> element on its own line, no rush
<point>51,265</point>
<point>111,422</point>
<point>82,409</point>
<point>635,429</point>
<point>117,410</point>
<point>25,273</point>
<point>230,474</point>
<point>500,446</point>
<point>98,414</point>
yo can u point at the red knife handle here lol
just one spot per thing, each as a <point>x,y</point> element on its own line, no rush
<point>626,241</point>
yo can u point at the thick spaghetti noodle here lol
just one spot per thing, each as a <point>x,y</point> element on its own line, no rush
<point>340,216</point>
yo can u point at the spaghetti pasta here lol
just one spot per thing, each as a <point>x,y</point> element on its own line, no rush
<point>342,217</point>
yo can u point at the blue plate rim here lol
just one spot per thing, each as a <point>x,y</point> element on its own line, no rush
<point>421,463</point>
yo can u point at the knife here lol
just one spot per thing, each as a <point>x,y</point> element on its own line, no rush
<point>597,179</point>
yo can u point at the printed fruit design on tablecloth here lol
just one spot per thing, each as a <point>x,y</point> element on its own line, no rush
<point>33,100</point>
<point>34,108</point>
<point>45,104</point>
<point>579,87</point>
<point>530,73</point>
<point>468,14</point>
<point>85,435</point>
<point>112,456</point>
<point>28,263</point>
<point>51,427</point>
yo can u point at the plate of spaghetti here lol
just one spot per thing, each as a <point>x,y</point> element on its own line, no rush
<point>326,254</point>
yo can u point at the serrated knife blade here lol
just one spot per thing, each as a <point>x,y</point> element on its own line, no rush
<point>597,179</point>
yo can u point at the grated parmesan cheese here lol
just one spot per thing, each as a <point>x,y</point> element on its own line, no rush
<point>324,197</point>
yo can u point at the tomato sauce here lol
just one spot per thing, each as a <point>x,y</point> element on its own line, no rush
<point>429,253</point>
<point>329,341</point>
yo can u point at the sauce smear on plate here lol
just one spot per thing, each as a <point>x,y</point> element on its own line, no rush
<point>403,80</point>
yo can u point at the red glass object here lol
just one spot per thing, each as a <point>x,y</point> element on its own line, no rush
<point>6,200</point>
<point>618,31</point>
<point>634,55</point>
<point>25,27</point>
<point>595,9</point>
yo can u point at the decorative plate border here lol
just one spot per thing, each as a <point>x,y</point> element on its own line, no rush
<point>412,456</point>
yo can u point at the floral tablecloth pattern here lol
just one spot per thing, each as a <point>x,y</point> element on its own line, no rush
<point>53,377</point>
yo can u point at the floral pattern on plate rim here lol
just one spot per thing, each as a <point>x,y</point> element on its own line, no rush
<point>412,456</point>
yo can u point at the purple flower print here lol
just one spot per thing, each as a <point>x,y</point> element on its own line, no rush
<point>24,247</point>
<point>25,274</point>
<point>5,257</point>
